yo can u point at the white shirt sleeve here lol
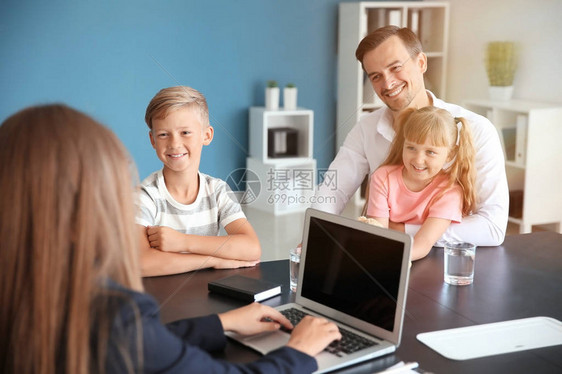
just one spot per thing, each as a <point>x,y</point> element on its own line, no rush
<point>342,179</point>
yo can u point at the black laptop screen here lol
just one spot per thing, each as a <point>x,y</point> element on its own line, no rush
<point>353,271</point>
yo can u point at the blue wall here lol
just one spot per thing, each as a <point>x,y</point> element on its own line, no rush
<point>108,58</point>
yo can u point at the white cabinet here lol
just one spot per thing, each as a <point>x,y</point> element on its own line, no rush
<point>286,187</point>
<point>281,158</point>
<point>530,134</point>
<point>263,124</point>
<point>428,19</point>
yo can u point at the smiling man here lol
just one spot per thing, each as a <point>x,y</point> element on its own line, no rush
<point>393,60</point>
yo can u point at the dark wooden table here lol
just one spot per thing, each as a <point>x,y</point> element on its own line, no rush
<point>520,279</point>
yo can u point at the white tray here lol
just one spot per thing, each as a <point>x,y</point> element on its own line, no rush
<point>494,338</point>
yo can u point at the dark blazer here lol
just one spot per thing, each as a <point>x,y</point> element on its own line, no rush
<point>182,346</point>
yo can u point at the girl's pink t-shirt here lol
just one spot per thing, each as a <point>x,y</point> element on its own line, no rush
<point>390,198</point>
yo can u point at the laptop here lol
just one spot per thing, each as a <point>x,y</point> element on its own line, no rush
<point>355,275</point>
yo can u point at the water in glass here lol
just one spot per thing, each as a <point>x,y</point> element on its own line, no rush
<point>294,259</point>
<point>459,263</point>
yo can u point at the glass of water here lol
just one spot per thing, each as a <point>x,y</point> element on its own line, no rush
<point>459,263</point>
<point>294,262</point>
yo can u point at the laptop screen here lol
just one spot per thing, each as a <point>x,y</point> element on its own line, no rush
<point>353,271</point>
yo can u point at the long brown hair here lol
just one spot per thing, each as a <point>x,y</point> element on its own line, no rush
<point>67,225</point>
<point>442,130</point>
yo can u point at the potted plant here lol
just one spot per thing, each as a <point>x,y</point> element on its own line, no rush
<point>272,95</point>
<point>501,64</point>
<point>290,96</point>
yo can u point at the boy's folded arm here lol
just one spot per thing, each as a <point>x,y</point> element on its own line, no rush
<point>155,262</point>
<point>240,243</point>
<point>246,242</point>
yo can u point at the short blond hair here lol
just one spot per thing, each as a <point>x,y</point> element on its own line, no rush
<point>174,98</point>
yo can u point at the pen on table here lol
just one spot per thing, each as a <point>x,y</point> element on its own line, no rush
<point>399,369</point>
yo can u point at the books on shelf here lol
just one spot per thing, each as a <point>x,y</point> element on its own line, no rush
<point>245,288</point>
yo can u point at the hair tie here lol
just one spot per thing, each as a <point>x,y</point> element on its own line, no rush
<point>459,127</point>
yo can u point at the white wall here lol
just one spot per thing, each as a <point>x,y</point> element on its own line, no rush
<point>536,25</point>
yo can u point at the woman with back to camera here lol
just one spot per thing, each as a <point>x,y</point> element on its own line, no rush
<point>70,288</point>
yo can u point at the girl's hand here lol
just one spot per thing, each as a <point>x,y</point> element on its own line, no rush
<point>380,222</point>
<point>253,319</point>
<point>398,226</point>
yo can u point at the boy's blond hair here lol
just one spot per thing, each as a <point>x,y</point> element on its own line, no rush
<point>174,98</point>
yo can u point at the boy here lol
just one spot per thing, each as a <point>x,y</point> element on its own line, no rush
<point>180,207</point>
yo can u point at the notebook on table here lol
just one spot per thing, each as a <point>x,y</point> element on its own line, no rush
<point>354,274</point>
<point>245,288</point>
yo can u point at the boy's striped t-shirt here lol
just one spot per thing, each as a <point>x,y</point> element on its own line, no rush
<point>215,206</point>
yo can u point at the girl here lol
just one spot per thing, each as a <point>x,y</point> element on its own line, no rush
<point>427,179</point>
<point>70,286</point>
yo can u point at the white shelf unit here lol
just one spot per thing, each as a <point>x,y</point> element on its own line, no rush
<point>428,19</point>
<point>286,187</point>
<point>261,120</point>
<point>287,183</point>
<point>530,134</point>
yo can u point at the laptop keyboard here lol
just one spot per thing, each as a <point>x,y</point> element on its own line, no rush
<point>349,343</point>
